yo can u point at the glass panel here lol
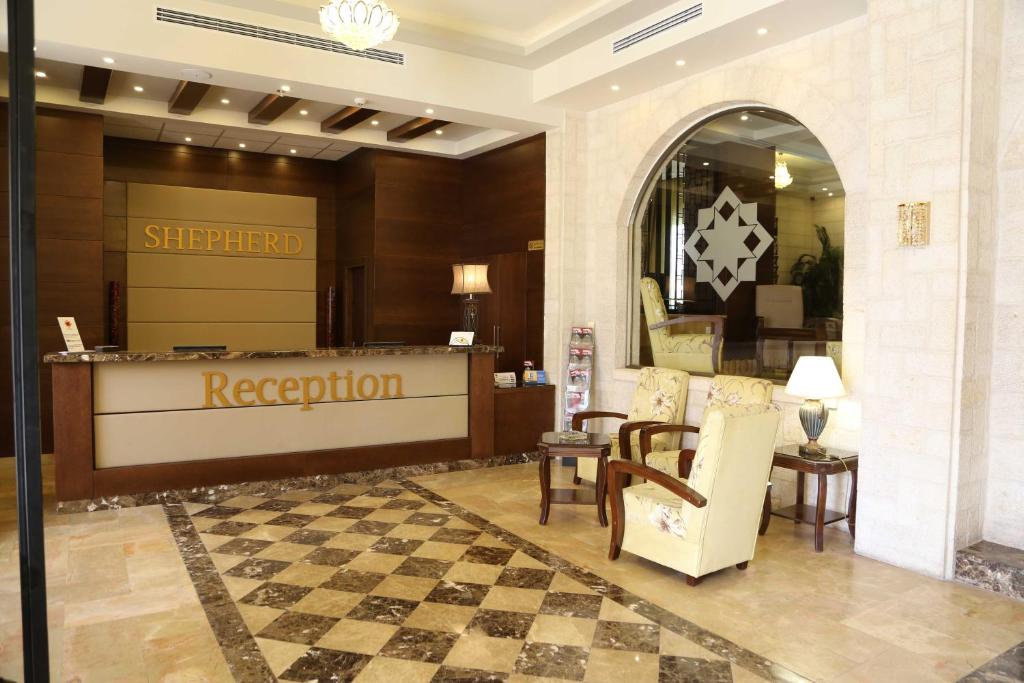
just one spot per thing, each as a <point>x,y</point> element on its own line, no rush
<point>743,226</point>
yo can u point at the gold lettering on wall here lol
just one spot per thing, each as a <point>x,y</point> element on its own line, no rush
<point>305,391</point>
<point>205,239</point>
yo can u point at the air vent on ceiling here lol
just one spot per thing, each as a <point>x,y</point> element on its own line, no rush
<point>654,29</point>
<point>174,16</point>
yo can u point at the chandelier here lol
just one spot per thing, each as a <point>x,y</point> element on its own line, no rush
<point>359,24</point>
<point>782,177</point>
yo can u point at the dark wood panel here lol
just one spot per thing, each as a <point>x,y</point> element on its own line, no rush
<point>142,478</point>
<point>413,129</point>
<point>115,197</point>
<point>521,415</point>
<point>95,80</point>
<point>481,405</point>
<point>186,97</point>
<point>69,132</point>
<point>69,175</point>
<point>70,218</point>
<point>73,443</point>
<point>270,108</point>
<point>346,118</point>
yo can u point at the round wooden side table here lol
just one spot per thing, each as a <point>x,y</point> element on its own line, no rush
<point>554,444</point>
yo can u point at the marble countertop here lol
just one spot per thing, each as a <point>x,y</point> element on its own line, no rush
<point>340,352</point>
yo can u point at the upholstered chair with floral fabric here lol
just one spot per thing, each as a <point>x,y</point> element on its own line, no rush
<point>660,397</point>
<point>725,390</point>
<point>688,342</point>
<point>710,521</point>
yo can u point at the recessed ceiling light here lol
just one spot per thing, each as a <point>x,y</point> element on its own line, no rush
<point>831,194</point>
<point>438,132</point>
<point>303,112</point>
<point>286,88</point>
<point>40,74</point>
<point>225,100</point>
<point>242,145</point>
<point>744,118</point>
<point>429,111</point>
<point>615,88</point>
<point>375,122</point>
<point>294,151</point>
<point>188,139</point>
<point>824,189</point>
<point>762,31</point>
<point>771,177</point>
<point>706,163</point>
<point>138,88</point>
<point>108,60</point>
<point>680,62</point>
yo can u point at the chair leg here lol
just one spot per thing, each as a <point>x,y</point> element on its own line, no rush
<point>742,565</point>
<point>693,580</point>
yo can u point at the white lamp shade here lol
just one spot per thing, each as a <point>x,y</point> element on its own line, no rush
<point>470,278</point>
<point>815,377</point>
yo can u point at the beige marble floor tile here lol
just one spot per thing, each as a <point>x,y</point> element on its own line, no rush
<point>382,563</point>
<point>434,616</point>
<point>548,628</point>
<point>389,670</point>
<point>286,552</point>
<point>310,575</point>
<point>328,603</point>
<point>405,587</point>
<point>474,572</point>
<point>612,665</point>
<point>513,599</point>
<point>440,551</point>
<point>364,637</point>
<point>257,616</point>
<point>413,531</point>
<point>476,651</point>
<point>279,654</point>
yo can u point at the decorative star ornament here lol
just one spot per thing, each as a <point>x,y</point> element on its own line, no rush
<point>726,241</point>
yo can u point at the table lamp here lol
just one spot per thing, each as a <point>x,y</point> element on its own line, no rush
<point>814,378</point>
<point>470,279</point>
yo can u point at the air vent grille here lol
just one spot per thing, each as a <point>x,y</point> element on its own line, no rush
<point>671,22</point>
<point>174,16</point>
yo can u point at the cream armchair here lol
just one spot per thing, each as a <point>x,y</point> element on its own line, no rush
<point>660,397</point>
<point>692,347</point>
<point>710,521</point>
<point>725,390</point>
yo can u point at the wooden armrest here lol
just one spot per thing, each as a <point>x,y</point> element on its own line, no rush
<point>619,469</point>
<point>624,440</point>
<point>717,330</point>
<point>647,432</point>
<point>578,418</point>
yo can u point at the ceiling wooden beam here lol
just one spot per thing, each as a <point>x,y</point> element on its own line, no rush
<point>345,119</point>
<point>415,128</point>
<point>94,84</point>
<point>270,107</point>
<point>187,97</point>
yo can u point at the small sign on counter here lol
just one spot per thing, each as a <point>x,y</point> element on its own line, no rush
<point>72,339</point>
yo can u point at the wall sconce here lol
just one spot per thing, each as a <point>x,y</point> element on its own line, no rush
<point>914,223</point>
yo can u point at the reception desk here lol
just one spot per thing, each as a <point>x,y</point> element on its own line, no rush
<point>135,422</point>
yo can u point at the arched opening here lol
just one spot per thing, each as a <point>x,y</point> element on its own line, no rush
<point>738,249</point>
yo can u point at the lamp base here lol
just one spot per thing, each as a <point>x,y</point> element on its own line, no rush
<point>813,418</point>
<point>470,314</point>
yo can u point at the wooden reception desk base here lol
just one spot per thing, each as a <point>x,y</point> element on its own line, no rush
<point>75,417</point>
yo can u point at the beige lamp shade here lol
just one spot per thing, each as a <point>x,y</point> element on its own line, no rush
<point>815,377</point>
<point>470,278</point>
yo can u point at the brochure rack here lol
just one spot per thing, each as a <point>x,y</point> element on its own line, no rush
<point>579,373</point>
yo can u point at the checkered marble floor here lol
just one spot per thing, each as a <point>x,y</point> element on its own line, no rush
<point>382,583</point>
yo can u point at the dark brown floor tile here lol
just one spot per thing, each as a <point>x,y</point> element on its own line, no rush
<point>243,546</point>
<point>692,670</point>
<point>449,674</point>
<point>395,546</point>
<point>402,504</point>
<point>319,664</point>
<point>419,645</point>
<point>428,519</point>
<point>381,492</point>
<point>309,537</point>
<point>524,577</point>
<point>353,581</point>
<point>291,519</point>
<point>453,593</point>
<point>349,512</point>
<point>333,498</point>
<point>571,605</point>
<point>218,512</point>
<point>618,635</point>
<point>257,568</point>
<point>231,528</point>
<point>370,528</point>
<point>279,595</point>
<point>502,624</point>
<point>298,627</point>
<point>277,505</point>
<point>464,536</point>
<point>383,610</point>
<point>331,557</point>
<point>552,661</point>
<point>483,554</point>
<point>423,566</point>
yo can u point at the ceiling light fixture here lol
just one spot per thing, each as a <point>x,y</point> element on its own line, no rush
<point>831,194</point>
<point>762,31</point>
<point>225,100</point>
<point>286,88</point>
<point>706,163</point>
<point>241,145</point>
<point>824,189</point>
<point>680,62</point>
<point>40,74</point>
<point>438,132</point>
<point>294,151</point>
<point>108,60</point>
<point>359,24</point>
<point>375,122</point>
<point>744,118</point>
<point>782,177</point>
<point>303,112</point>
<point>429,111</point>
<point>188,139</point>
<point>615,88</point>
<point>138,88</point>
